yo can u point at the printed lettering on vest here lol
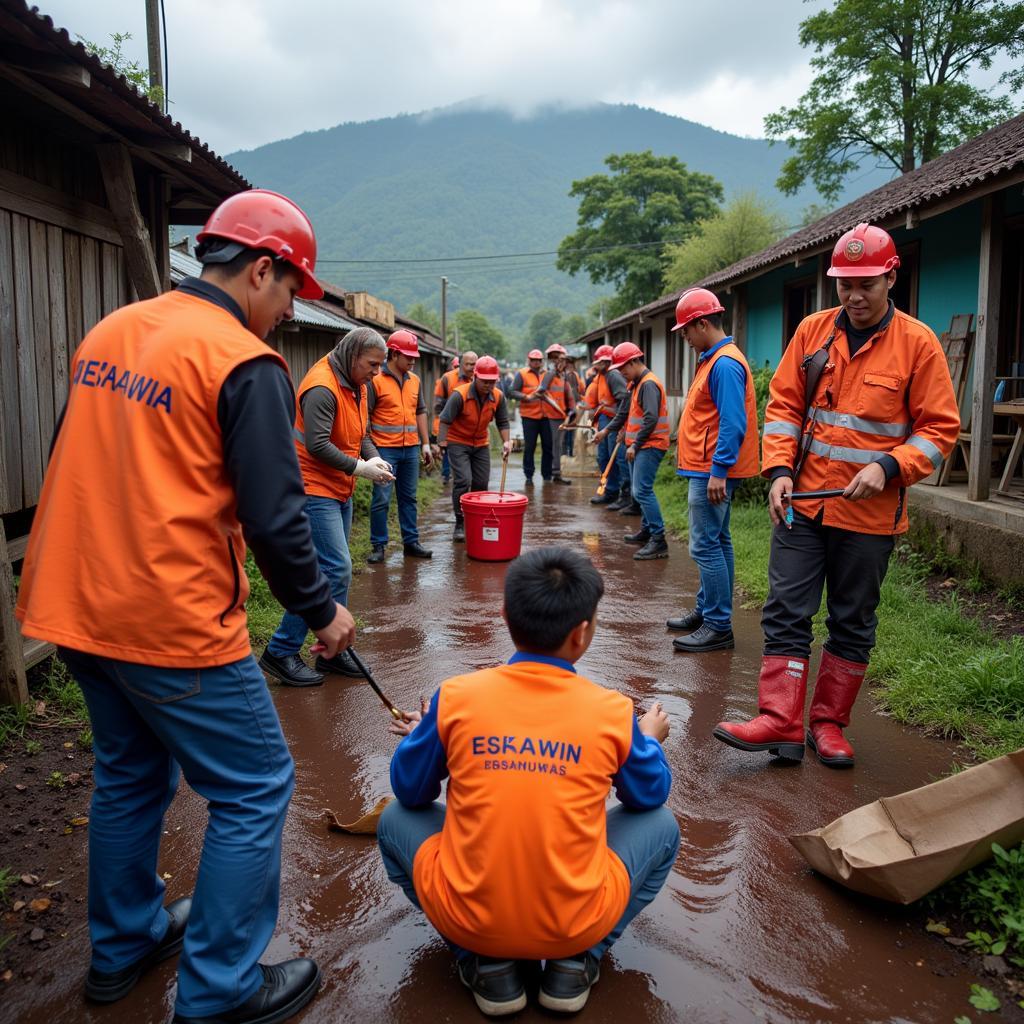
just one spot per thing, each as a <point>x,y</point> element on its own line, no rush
<point>551,750</point>
<point>97,373</point>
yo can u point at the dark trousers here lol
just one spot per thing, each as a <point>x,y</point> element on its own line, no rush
<point>532,429</point>
<point>809,557</point>
<point>471,468</point>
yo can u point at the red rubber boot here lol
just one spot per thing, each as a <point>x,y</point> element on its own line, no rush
<point>836,689</point>
<point>779,728</point>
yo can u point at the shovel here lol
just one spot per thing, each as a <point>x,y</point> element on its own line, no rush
<point>810,496</point>
<point>603,485</point>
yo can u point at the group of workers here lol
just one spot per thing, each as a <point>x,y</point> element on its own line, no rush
<point>142,585</point>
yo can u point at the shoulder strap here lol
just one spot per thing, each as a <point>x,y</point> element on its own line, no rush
<point>813,367</point>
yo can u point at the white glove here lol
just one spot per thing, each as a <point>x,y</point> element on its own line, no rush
<point>375,469</point>
<point>506,448</point>
<point>428,454</point>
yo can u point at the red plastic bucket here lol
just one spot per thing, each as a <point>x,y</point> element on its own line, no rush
<point>494,524</point>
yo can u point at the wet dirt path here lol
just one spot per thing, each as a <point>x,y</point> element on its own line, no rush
<point>742,931</point>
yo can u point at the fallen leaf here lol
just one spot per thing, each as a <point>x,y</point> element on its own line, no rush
<point>3,767</point>
<point>166,876</point>
<point>68,746</point>
<point>29,879</point>
<point>37,935</point>
<point>17,905</point>
<point>68,830</point>
<point>364,826</point>
<point>946,584</point>
<point>20,787</point>
<point>40,905</point>
<point>50,885</point>
<point>73,779</point>
<point>937,927</point>
<point>40,708</point>
<point>78,822</point>
<point>7,975</point>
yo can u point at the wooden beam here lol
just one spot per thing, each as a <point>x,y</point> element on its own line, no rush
<point>32,199</point>
<point>119,181</point>
<point>13,684</point>
<point>25,59</point>
<point>986,338</point>
<point>172,150</point>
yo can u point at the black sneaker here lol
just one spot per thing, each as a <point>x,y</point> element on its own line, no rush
<point>656,547</point>
<point>687,622</point>
<point>108,987</point>
<point>705,639</point>
<point>560,480</point>
<point>632,509</point>
<point>604,499</point>
<point>495,984</point>
<point>565,984</point>
<point>340,665</point>
<point>621,502</point>
<point>416,550</point>
<point>289,669</point>
<point>642,536</point>
<point>286,989</point>
<point>376,555</point>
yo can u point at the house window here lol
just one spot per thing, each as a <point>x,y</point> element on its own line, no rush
<point>799,300</point>
<point>675,369</point>
<point>904,291</point>
<point>1010,353</point>
<point>644,341</point>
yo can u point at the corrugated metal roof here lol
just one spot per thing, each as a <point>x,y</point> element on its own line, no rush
<point>997,153</point>
<point>183,265</point>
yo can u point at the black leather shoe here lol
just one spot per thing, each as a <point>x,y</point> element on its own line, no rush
<point>376,555</point>
<point>417,550</point>
<point>560,480</point>
<point>286,989</point>
<point>290,670</point>
<point>340,665</point>
<point>528,482</point>
<point>621,502</point>
<point>459,533</point>
<point>565,984</point>
<point>656,547</point>
<point>687,622</point>
<point>632,509</point>
<point>108,987</point>
<point>604,499</point>
<point>495,984</point>
<point>705,639</point>
<point>642,536</point>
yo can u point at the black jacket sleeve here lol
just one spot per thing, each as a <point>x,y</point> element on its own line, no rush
<point>256,412</point>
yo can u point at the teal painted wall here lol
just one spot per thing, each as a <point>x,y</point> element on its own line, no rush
<point>764,313</point>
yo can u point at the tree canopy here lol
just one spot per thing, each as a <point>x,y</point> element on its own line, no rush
<point>745,226</point>
<point>627,216</point>
<point>892,84</point>
<point>423,314</point>
<point>476,332</point>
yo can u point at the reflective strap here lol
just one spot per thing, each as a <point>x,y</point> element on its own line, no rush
<point>386,428</point>
<point>299,435</point>
<point>861,456</point>
<point>781,427</point>
<point>845,419</point>
<point>923,445</point>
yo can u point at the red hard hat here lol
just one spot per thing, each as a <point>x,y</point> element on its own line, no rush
<point>487,368</point>
<point>624,352</point>
<point>694,304</point>
<point>557,349</point>
<point>259,219</point>
<point>535,353</point>
<point>405,342</point>
<point>866,251</point>
<point>603,352</point>
<point>455,362</point>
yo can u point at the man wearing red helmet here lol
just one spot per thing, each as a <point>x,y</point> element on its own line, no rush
<point>464,433</point>
<point>398,429</point>
<point>717,448</point>
<point>526,391</point>
<point>558,401</point>
<point>185,415</point>
<point>461,372</point>
<point>862,403</point>
<point>603,396</point>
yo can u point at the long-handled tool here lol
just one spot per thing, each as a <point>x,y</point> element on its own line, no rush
<point>398,716</point>
<point>810,496</point>
<point>504,471</point>
<point>603,485</point>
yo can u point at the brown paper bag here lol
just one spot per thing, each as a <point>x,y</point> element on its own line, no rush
<point>364,826</point>
<point>901,847</point>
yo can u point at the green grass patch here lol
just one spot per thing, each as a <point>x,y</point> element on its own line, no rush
<point>933,664</point>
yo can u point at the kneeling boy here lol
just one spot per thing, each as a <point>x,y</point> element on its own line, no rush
<point>524,862</point>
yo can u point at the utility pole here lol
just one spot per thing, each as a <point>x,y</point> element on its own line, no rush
<point>444,310</point>
<point>156,65</point>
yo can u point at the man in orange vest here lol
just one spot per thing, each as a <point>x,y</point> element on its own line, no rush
<point>333,448</point>
<point>604,395</point>
<point>717,448</point>
<point>525,862</point>
<point>398,429</point>
<point>644,421</point>
<point>464,432</point>
<point>861,403</point>
<point>526,391</point>
<point>557,402</point>
<point>461,372</point>
<point>174,451</point>
<point>575,391</point>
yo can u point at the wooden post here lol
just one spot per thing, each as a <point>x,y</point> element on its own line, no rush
<point>823,291</point>
<point>13,684</point>
<point>986,338</point>
<point>739,317</point>
<point>119,181</point>
<point>156,61</point>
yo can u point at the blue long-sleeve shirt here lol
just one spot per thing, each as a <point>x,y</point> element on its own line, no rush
<point>727,383</point>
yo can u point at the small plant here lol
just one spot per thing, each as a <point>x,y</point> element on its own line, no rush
<point>56,780</point>
<point>33,747</point>
<point>7,879</point>
<point>84,739</point>
<point>983,999</point>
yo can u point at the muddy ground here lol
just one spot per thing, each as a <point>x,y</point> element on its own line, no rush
<point>743,930</point>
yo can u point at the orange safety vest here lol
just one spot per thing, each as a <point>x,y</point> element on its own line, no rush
<point>136,552</point>
<point>442,390</point>
<point>699,423</point>
<point>658,438</point>
<point>319,479</point>
<point>556,392</point>
<point>471,426</point>
<point>894,397</point>
<point>393,420</point>
<point>606,404</point>
<point>526,813</point>
<point>531,410</point>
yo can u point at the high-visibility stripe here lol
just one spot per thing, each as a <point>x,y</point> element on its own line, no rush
<point>299,435</point>
<point>386,428</point>
<point>845,419</point>
<point>929,449</point>
<point>781,427</point>
<point>861,456</point>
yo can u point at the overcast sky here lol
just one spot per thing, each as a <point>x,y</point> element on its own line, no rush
<point>246,72</point>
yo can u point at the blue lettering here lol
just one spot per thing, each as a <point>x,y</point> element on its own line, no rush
<point>509,745</point>
<point>122,384</point>
<point>527,747</point>
<point>138,386</point>
<point>548,748</point>
<point>543,768</point>
<point>89,377</point>
<point>79,367</point>
<point>110,376</point>
<point>150,391</point>
<point>572,753</point>
<point>561,769</point>
<point>478,744</point>
<point>493,745</point>
<point>163,399</point>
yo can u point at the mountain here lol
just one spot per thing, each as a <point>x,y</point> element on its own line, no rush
<point>466,181</point>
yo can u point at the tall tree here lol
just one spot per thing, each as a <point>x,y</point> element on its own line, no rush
<point>745,226</point>
<point>626,217</point>
<point>545,326</point>
<point>476,332</point>
<point>423,314</point>
<point>892,85</point>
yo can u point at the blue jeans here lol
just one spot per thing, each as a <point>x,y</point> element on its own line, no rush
<point>331,521</point>
<point>406,463</point>
<point>645,467</point>
<point>711,549</point>
<point>220,725</point>
<point>604,454</point>
<point>446,466</point>
<point>645,841</point>
<point>532,430</point>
